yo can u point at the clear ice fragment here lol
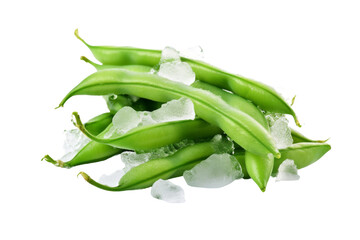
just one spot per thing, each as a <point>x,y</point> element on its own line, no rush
<point>145,118</point>
<point>75,140</point>
<point>222,144</point>
<point>125,119</point>
<point>112,180</point>
<point>167,191</point>
<point>169,54</point>
<point>178,72</point>
<point>172,68</point>
<point>287,171</point>
<point>175,110</point>
<point>216,171</point>
<point>195,52</point>
<point>132,159</point>
<point>279,129</point>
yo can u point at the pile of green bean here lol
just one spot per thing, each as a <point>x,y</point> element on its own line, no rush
<point>224,103</point>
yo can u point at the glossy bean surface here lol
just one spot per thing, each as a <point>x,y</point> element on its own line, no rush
<point>155,135</point>
<point>262,95</point>
<point>146,174</point>
<point>243,129</point>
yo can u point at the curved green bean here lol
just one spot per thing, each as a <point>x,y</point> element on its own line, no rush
<point>146,174</point>
<point>234,100</point>
<point>264,96</point>
<point>298,137</point>
<point>135,68</point>
<point>155,135</point>
<point>90,153</point>
<point>303,154</point>
<point>239,126</point>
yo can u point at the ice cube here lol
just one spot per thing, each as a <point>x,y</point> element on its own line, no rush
<point>195,52</point>
<point>112,180</point>
<point>169,54</point>
<point>184,143</point>
<point>75,140</point>
<point>145,118</point>
<point>279,129</point>
<point>216,171</point>
<point>168,150</point>
<point>287,171</point>
<point>177,71</point>
<point>222,144</point>
<point>125,119</point>
<point>174,110</point>
<point>167,191</point>
<point>132,159</point>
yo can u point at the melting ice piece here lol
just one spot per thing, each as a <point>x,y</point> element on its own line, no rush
<point>167,191</point>
<point>168,150</point>
<point>75,140</point>
<point>172,68</point>
<point>174,110</point>
<point>112,180</point>
<point>222,144</point>
<point>178,72</point>
<point>195,52</point>
<point>169,54</point>
<point>125,119</point>
<point>216,171</point>
<point>287,171</point>
<point>280,131</point>
<point>145,118</point>
<point>162,152</point>
<point>132,159</point>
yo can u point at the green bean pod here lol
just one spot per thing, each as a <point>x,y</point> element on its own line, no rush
<point>146,174</point>
<point>262,95</point>
<point>259,168</point>
<point>303,154</point>
<point>298,137</point>
<point>234,100</point>
<point>155,135</point>
<point>135,68</point>
<point>239,126</point>
<point>90,153</point>
<point>99,123</point>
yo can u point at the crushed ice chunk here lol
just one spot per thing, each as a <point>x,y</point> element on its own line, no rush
<point>132,159</point>
<point>279,129</point>
<point>178,72</point>
<point>112,180</point>
<point>167,191</point>
<point>168,150</point>
<point>287,171</point>
<point>146,118</point>
<point>175,110</point>
<point>172,68</point>
<point>222,144</point>
<point>125,119</point>
<point>75,140</point>
<point>216,171</point>
<point>169,54</point>
<point>195,52</point>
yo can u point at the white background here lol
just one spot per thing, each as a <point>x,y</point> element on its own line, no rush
<point>307,48</point>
